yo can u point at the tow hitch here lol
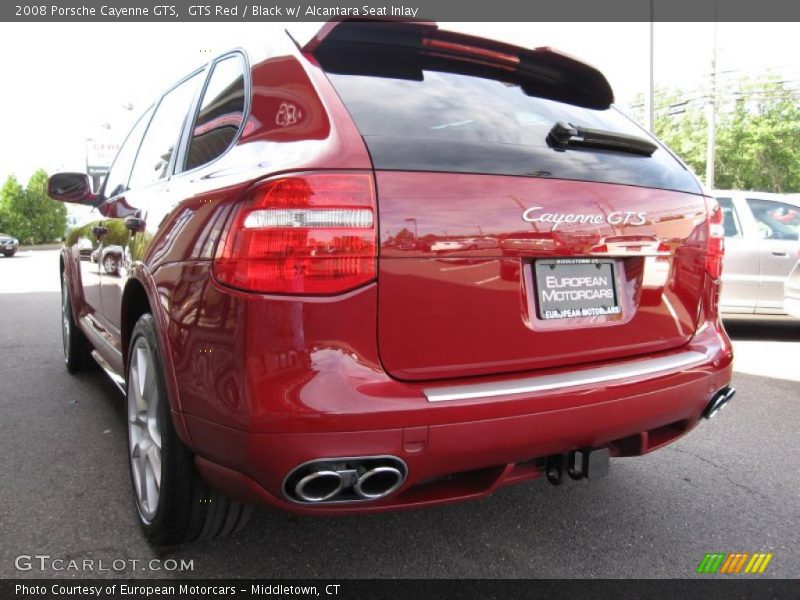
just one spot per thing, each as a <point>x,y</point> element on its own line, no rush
<point>589,463</point>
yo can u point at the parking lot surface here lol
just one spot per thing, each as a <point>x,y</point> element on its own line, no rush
<point>731,485</point>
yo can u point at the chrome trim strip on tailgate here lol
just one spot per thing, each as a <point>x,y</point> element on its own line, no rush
<point>528,385</point>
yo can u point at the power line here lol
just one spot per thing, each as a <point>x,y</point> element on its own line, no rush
<point>726,96</point>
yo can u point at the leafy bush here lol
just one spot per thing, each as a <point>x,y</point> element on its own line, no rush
<point>29,214</point>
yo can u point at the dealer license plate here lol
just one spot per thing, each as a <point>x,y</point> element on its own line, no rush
<point>576,287</point>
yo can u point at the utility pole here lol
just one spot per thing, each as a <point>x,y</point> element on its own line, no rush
<point>649,120</point>
<point>711,111</point>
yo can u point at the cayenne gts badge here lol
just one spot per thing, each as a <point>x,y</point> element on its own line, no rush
<point>619,217</point>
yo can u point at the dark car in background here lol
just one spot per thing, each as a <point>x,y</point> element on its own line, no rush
<point>8,245</point>
<point>392,268</point>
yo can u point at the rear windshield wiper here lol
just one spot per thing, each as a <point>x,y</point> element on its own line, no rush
<point>564,136</point>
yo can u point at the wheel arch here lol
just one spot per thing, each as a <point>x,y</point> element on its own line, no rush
<point>135,303</point>
<point>138,298</point>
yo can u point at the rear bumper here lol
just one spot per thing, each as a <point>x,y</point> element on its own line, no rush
<point>467,447</point>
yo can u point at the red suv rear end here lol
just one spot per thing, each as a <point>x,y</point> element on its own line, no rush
<point>417,267</point>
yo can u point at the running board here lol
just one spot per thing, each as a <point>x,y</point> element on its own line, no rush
<point>115,378</point>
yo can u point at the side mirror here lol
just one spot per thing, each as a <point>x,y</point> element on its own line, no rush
<point>75,188</point>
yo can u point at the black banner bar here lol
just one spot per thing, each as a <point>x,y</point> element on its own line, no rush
<point>437,10</point>
<point>406,589</point>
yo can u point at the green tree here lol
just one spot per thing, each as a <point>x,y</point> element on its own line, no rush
<point>12,196</point>
<point>758,142</point>
<point>757,136</point>
<point>47,218</point>
<point>29,214</point>
<point>683,127</point>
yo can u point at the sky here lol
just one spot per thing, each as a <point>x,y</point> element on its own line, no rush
<point>65,82</point>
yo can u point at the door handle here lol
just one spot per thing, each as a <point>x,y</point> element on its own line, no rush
<point>99,231</point>
<point>779,253</point>
<point>135,224</point>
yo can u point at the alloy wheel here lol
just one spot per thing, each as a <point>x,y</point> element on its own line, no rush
<point>144,429</point>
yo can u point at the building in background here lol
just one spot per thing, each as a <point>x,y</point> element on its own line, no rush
<point>99,156</point>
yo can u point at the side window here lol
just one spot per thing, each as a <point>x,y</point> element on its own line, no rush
<point>220,115</point>
<point>117,178</point>
<point>776,220</point>
<point>730,219</point>
<point>162,135</point>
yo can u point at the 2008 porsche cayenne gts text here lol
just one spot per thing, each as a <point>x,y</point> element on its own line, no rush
<point>393,267</point>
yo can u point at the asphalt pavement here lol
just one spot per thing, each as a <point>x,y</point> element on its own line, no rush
<point>731,485</point>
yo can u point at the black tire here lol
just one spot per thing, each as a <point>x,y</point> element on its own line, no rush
<point>9,253</point>
<point>187,509</point>
<point>77,352</point>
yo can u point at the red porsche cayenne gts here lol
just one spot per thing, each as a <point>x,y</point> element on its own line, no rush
<point>394,267</point>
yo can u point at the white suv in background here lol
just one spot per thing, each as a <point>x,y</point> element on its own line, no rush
<point>761,251</point>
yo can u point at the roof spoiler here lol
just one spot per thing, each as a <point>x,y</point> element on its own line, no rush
<point>542,72</point>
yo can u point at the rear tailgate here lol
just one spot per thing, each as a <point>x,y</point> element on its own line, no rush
<point>500,250</point>
<point>471,307</point>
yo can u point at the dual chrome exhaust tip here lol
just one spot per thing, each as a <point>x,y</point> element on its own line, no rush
<point>718,402</point>
<point>319,486</point>
<point>345,479</point>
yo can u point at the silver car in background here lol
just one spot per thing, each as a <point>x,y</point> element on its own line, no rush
<point>791,293</point>
<point>762,249</point>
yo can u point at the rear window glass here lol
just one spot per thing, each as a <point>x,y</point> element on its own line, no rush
<point>458,107</point>
<point>443,116</point>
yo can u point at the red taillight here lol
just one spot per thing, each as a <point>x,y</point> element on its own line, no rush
<point>311,233</point>
<point>716,238</point>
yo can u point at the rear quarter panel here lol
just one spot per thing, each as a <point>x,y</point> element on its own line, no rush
<point>173,257</point>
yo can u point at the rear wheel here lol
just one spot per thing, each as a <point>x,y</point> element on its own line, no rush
<point>172,502</point>
<point>77,354</point>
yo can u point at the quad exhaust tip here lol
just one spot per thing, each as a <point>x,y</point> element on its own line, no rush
<point>718,402</point>
<point>345,479</point>
<point>319,486</point>
<point>378,482</point>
